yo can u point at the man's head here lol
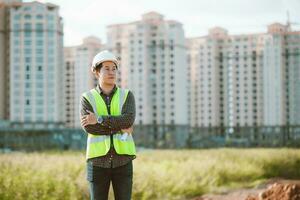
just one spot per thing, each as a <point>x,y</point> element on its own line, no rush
<point>102,57</point>
<point>105,66</point>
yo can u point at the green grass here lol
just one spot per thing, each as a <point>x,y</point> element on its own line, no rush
<point>158,174</point>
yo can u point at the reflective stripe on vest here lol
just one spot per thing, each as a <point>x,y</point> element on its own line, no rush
<point>99,145</point>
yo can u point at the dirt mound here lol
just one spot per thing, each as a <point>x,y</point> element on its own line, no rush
<point>278,191</point>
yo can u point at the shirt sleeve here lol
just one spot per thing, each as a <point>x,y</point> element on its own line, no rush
<point>127,117</point>
<point>95,129</point>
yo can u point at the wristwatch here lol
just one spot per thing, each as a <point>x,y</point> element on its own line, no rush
<point>99,120</point>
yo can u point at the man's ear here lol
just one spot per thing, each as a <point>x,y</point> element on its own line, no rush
<point>94,71</point>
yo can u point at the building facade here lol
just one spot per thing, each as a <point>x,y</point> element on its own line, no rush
<point>246,81</point>
<point>78,76</point>
<point>33,51</point>
<point>153,65</point>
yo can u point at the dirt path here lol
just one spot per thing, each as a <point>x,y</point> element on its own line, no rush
<point>274,189</point>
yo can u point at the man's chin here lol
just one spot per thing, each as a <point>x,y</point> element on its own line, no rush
<point>112,82</point>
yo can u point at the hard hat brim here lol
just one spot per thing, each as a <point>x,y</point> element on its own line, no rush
<point>102,61</point>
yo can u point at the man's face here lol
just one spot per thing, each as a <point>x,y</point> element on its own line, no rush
<point>108,72</point>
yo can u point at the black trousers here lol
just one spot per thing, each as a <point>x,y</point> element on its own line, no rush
<point>100,178</point>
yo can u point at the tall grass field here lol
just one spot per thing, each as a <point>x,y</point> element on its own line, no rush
<point>158,174</point>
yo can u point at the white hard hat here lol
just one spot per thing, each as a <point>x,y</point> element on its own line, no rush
<point>104,56</point>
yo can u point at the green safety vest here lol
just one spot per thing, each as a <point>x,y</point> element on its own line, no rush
<point>99,145</point>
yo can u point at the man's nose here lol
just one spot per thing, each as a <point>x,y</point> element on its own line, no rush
<point>111,72</point>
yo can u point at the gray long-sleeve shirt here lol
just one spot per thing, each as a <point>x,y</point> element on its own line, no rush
<point>110,126</point>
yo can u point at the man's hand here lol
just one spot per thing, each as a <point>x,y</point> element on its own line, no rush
<point>88,119</point>
<point>128,130</point>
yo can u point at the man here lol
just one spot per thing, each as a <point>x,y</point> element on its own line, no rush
<point>107,115</point>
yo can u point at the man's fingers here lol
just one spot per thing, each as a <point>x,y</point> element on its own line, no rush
<point>87,119</point>
<point>84,124</point>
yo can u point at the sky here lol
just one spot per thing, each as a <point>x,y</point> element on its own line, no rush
<point>84,18</point>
